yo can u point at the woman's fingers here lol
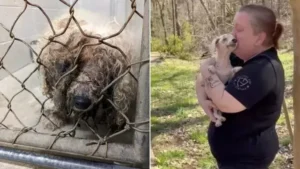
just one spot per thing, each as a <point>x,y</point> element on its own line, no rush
<point>209,110</point>
<point>212,105</point>
<point>212,117</point>
<point>209,113</point>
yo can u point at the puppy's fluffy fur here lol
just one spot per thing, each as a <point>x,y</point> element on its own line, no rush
<point>219,64</point>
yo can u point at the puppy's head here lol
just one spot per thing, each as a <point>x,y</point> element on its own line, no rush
<point>224,44</point>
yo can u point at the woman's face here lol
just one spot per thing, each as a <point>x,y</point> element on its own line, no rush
<point>244,33</point>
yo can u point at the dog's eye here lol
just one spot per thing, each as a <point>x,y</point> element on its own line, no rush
<point>224,39</point>
<point>66,66</point>
<point>63,67</point>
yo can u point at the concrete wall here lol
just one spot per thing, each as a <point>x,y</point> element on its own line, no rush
<point>32,22</point>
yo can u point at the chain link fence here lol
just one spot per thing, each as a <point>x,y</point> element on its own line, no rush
<point>61,141</point>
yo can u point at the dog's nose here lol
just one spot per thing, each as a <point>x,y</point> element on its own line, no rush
<point>234,40</point>
<point>81,102</point>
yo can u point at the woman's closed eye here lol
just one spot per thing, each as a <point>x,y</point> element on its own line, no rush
<point>239,29</point>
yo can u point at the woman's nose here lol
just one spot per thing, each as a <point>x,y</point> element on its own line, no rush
<point>233,32</point>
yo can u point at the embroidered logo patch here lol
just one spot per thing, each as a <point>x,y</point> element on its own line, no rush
<point>242,82</point>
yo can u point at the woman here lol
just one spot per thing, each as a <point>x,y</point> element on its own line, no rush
<point>251,101</point>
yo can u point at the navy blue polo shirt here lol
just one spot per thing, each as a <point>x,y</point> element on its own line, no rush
<point>249,137</point>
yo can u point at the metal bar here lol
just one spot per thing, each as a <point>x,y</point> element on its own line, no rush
<point>62,147</point>
<point>51,161</point>
<point>287,120</point>
<point>141,140</point>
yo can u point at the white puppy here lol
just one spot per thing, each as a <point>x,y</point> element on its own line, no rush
<point>219,63</point>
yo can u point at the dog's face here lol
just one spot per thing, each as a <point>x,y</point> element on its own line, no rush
<point>224,44</point>
<point>97,67</point>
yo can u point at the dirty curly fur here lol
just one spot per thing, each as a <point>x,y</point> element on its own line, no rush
<point>98,66</point>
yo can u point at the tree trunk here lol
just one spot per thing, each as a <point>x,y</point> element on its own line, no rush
<point>295,5</point>
<point>278,8</point>
<point>223,7</point>
<point>234,7</point>
<point>208,15</point>
<point>242,2</point>
<point>169,10</point>
<point>271,4</point>
<point>161,8</point>
<point>193,17</point>
<point>178,29</point>
<point>188,11</point>
<point>173,18</point>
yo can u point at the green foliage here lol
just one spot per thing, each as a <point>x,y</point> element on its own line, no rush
<point>187,37</point>
<point>175,45</point>
<point>167,156</point>
<point>180,47</point>
<point>199,136</point>
<point>157,45</point>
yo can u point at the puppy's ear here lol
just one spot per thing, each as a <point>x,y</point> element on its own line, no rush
<point>214,45</point>
<point>205,55</point>
<point>217,41</point>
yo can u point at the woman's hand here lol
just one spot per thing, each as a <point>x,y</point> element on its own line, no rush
<point>208,108</point>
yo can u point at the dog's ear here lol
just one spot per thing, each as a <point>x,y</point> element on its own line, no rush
<point>205,55</point>
<point>214,45</point>
<point>217,41</point>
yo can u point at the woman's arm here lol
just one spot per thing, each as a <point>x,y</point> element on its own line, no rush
<point>207,105</point>
<point>200,91</point>
<point>248,86</point>
<point>215,89</point>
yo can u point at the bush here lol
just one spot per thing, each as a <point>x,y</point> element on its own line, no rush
<point>180,47</point>
<point>157,45</point>
<point>175,45</point>
<point>188,41</point>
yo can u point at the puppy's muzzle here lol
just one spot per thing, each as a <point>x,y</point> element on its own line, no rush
<point>233,43</point>
<point>81,102</point>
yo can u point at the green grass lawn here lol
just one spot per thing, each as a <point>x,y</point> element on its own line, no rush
<point>178,124</point>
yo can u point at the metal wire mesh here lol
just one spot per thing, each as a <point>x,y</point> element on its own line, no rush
<point>31,130</point>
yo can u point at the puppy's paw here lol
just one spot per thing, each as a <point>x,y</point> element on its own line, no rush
<point>223,119</point>
<point>219,117</point>
<point>236,69</point>
<point>212,69</point>
<point>217,114</point>
<point>218,123</point>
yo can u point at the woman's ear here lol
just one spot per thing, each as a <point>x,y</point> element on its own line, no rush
<point>261,37</point>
